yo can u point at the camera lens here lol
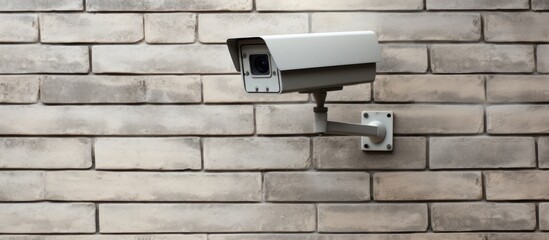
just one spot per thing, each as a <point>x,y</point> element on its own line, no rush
<point>260,64</point>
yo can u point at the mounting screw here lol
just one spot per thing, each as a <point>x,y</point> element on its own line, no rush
<point>247,73</point>
<point>244,55</point>
<point>366,146</point>
<point>389,146</point>
<point>365,115</point>
<point>388,115</point>
<point>274,73</point>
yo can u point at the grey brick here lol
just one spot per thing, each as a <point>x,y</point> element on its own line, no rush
<point>168,5</point>
<point>45,153</point>
<point>544,216</point>
<point>353,93</point>
<point>407,236</point>
<point>403,26</point>
<point>141,186</point>
<point>92,89</point>
<point>345,153</point>
<point>372,218</point>
<point>19,89</point>
<point>473,58</point>
<point>403,58</point>
<point>256,153</point>
<point>517,236</point>
<point>517,119</point>
<point>118,218</point>
<point>101,28</point>
<point>415,119</point>
<point>173,89</point>
<point>170,28</point>
<point>482,152</point>
<point>230,89</point>
<point>161,59</point>
<point>43,59</point>
<point>540,4</point>
<point>148,153</point>
<point>323,5</point>
<point>451,217</point>
<point>18,28</point>
<point>543,58</point>
<point>47,218</point>
<point>429,88</point>
<point>275,119</point>
<point>317,186</point>
<point>106,237</point>
<point>517,185</point>
<point>543,152</point>
<point>420,186</point>
<point>217,28</point>
<point>126,120</point>
<point>477,4</point>
<point>22,186</point>
<point>517,88</point>
<point>41,5</point>
<point>516,27</point>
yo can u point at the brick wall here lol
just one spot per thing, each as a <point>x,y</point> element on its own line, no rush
<point>126,120</point>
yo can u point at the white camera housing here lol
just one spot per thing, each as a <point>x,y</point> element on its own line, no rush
<point>305,62</point>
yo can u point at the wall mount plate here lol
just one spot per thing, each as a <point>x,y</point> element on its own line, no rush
<point>373,117</point>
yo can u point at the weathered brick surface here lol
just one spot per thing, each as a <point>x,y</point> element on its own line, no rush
<point>540,4</point>
<point>41,5</point>
<point>372,217</point>
<point>45,153</point>
<point>477,4</point>
<point>452,88</point>
<point>11,184</point>
<point>47,218</point>
<point>256,153</point>
<point>454,217</point>
<point>517,185</point>
<point>403,58</point>
<point>170,28</point>
<point>121,186</point>
<point>482,152</point>
<point>345,153</point>
<point>322,5</point>
<point>126,120</point>
<point>18,28</point>
<point>120,89</point>
<point>543,152</point>
<point>353,93</point>
<point>517,119</point>
<point>406,236</point>
<point>514,236</point>
<point>167,5</point>
<point>119,218</point>
<point>230,89</point>
<point>403,26</point>
<point>517,88</point>
<point>274,119</point>
<point>43,59</point>
<point>515,27</point>
<point>543,58</point>
<point>161,59</point>
<point>107,237</point>
<point>544,216</point>
<point>110,28</point>
<point>217,28</point>
<point>340,186</point>
<point>19,89</point>
<point>139,153</point>
<point>473,58</point>
<point>420,186</point>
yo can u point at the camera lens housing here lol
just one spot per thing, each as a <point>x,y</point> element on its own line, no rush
<point>259,64</point>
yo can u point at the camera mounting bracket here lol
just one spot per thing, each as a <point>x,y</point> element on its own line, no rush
<point>376,128</point>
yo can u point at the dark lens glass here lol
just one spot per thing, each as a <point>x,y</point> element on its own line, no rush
<point>260,64</point>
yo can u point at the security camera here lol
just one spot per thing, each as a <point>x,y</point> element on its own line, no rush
<point>316,63</point>
<point>305,62</point>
